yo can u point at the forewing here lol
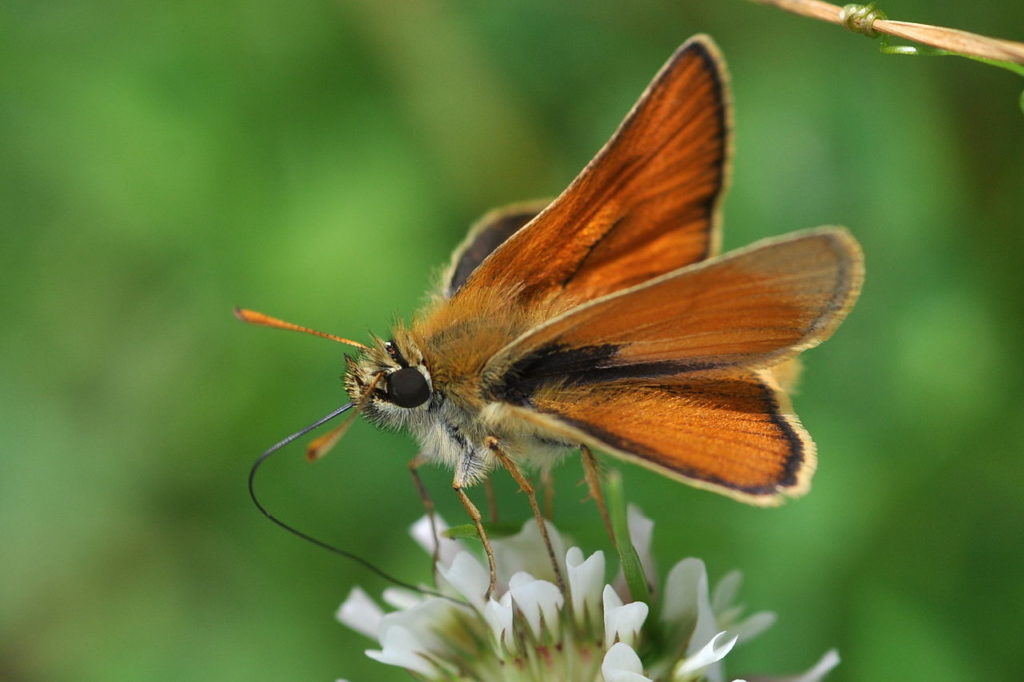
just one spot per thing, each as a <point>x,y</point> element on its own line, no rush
<point>735,435</point>
<point>749,309</point>
<point>645,205</point>
<point>487,234</point>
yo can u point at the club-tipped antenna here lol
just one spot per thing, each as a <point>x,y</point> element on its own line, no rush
<point>253,317</point>
<point>309,538</point>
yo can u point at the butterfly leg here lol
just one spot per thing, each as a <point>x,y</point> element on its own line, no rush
<point>525,486</point>
<point>547,484</point>
<point>474,515</point>
<point>592,475</point>
<point>492,501</point>
<point>428,504</point>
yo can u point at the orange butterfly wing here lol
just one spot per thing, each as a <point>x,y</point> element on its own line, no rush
<point>750,309</point>
<point>645,205</point>
<point>486,235</point>
<point>735,435</point>
<point>676,373</point>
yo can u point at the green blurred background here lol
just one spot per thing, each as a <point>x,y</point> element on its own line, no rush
<point>163,162</point>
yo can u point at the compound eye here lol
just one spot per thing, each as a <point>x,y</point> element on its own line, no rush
<point>407,388</point>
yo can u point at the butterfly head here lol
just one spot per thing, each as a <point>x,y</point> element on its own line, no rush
<point>390,381</point>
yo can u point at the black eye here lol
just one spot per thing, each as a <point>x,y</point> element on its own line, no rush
<point>407,388</point>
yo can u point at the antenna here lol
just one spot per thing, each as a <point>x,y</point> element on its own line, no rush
<point>253,317</point>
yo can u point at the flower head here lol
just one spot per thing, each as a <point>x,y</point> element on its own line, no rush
<point>530,629</point>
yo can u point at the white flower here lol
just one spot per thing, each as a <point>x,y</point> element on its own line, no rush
<point>468,577</point>
<point>728,615</point>
<point>815,674</point>
<point>687,607</point>
<point>525,552</point>
<point>424,536</point>
<point>621,664</point>
<point>360,613</point>
<point>530,630</point>
<point>401,647</point>
<point>499,615</point>
<point>641,530</point>
<point>585,580</point>
<point>539,601</point>
<point>693,667</point>
<point>622,622</point>
<point>691,615</point>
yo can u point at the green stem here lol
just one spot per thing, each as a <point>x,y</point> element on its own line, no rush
<point>937,52</point>
<point>632,569</point>
<point>914,50</point>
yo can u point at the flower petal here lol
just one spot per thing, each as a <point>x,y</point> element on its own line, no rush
<point>538,600</point>
<point>498,615</point>
<point>641,530</point>
<point>468,576</point>
<point>621,664</point>
<point>399,646</point>
<point>687,607</point>
<point>421,533</point>
<point>693,667</point>
<point>434,621</point>
<point>360,613</point>
<point>585,580</point>
<point>622,623</point>
<point>752,625</point>
<point>817,673</point>
<point>824,665</point>
<point>724,594</point>
<point>400,597</point>
<point>525,551</point>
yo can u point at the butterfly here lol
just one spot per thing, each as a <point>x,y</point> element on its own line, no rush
<point>606,319</point>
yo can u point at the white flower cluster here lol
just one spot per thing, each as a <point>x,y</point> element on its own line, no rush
<point>530,630</point>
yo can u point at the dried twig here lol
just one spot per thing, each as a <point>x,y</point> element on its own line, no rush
<point>871,22</point>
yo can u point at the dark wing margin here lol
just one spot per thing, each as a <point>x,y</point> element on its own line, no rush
<point>648,202</point>
<point>735,435</point>
<point>486,235</point>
